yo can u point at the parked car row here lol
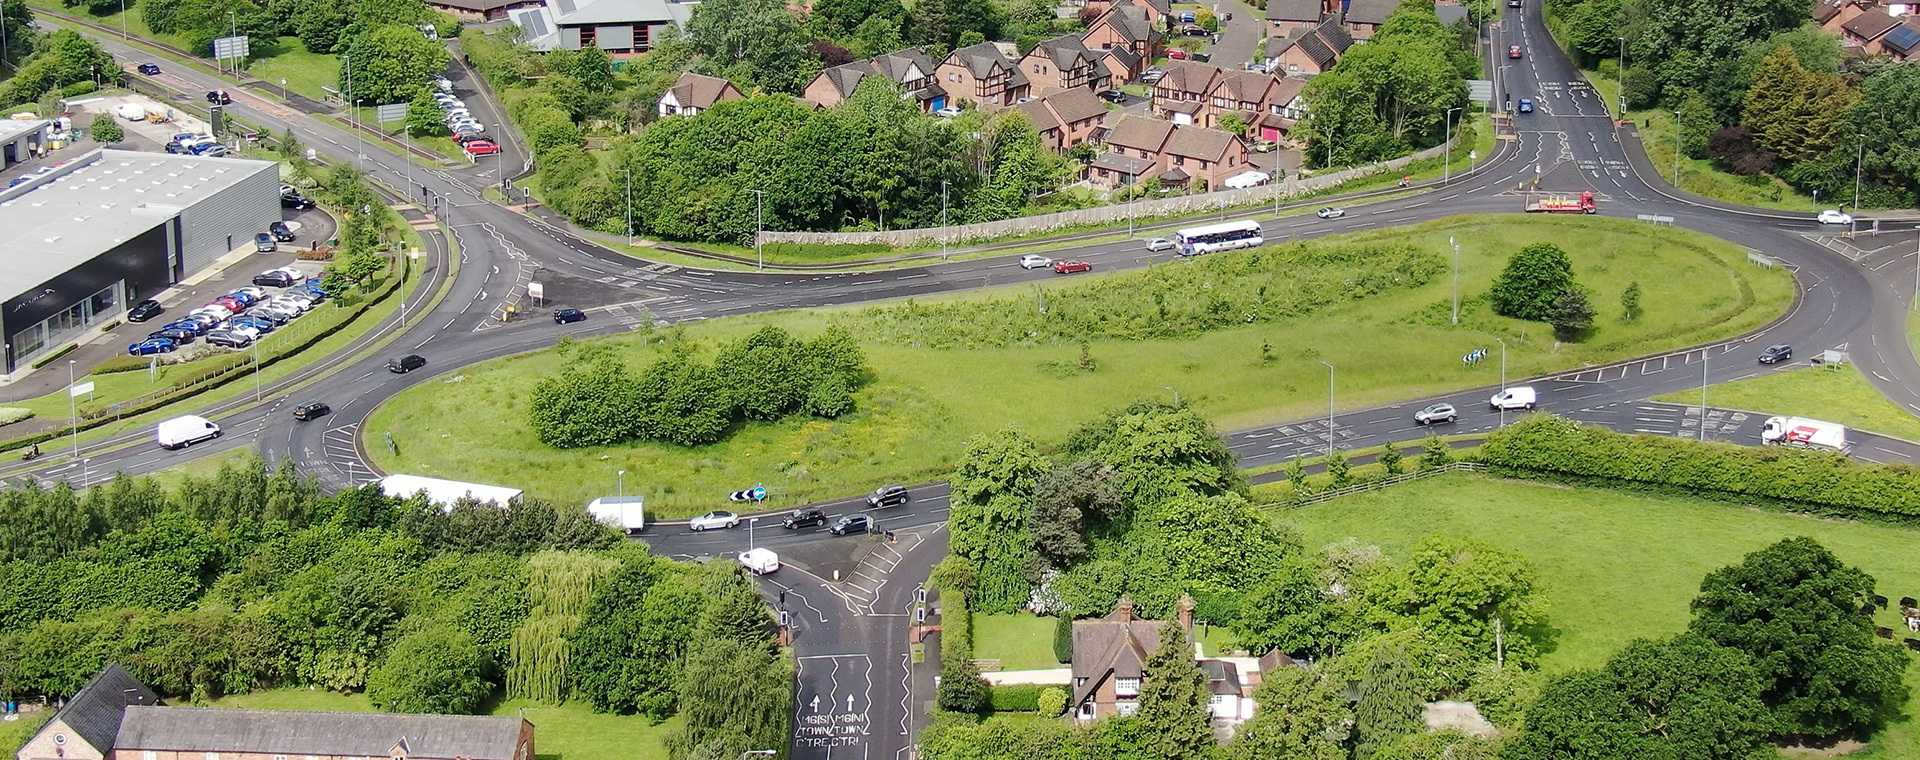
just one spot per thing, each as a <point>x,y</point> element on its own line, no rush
<point>467,131</point>
<point>196,144</point>
<point>234,320</point>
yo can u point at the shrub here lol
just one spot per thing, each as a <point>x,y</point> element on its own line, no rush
<point>436,670</point>
<point>120,363</point>
<point>1063,639</point>
<point>1052,701</point>
<point>13,414</point>
<point>78,88</point>
<point>1015,697</point>
<point>106,130</point>
<point>1810,481</point>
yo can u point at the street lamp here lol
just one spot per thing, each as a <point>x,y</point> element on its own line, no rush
<point>1503,378</point>
<point>1705,353</point>
<point>1859,158</point>
<point>1623,77</point>
<point>1676,150</point>
<point>73,413</point>
<point>1329,367</point>
<point>943,219</point>
<point>620,484</point>
<point>759,199</point>
<point>1446,175</point>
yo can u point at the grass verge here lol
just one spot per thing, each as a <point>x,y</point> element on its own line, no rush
<point>1836,393</point>
<point>307,73</point>
<point>1615,565</point>
<point>571,731</point>
<point>1019,641</point>
<point>913,421</point>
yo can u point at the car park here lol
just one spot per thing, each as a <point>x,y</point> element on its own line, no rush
<point>311,410</point>
<point>152,346</point>
<point>1034,261</point>
<point>714,520</point>
<point>1776,354</point>
<point>405,364</point>
<point>1835,216</point>
<point>1518,397</point>
<point>1513,51</point>
<point>180,336</point>
<point>888,496</point>
<point>144,311</point>
<point>149,69</point>
<point>466,137</point>
<point>229,339</point>
<point>563,316</point>
<point>851,524</point>
<point>801,518</point>
<point>1435,414</point>
<point>1330,212</point>
<point>1526,105</point>
<point>1072,267</point>
<point>1160,244</point>
<point>280,232</point>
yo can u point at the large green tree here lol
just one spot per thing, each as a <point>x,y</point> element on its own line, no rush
<point>390,64</point>
<point>735,698</point>
<point>1389,702</point>
<point>1795,113</point>
<point>435,670</point>
<point>992,492</point>
<point>1174,700</point>
<point>1532,281</point>
<point>1794,608</point>
<point>1682,697</point>
<point>756,39</point>
<point>1302,715</point>
<point>1389,95</point>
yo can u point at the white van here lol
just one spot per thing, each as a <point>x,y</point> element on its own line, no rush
<point>181,432</point>
<point>1519,397</point>
<point>760,561</point>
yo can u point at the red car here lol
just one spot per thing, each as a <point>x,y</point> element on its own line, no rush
<point>1513,52</point>
<point>481,148</point>
<point>1177,54</point>
<point>1070,267</point>
<point>232,304</point>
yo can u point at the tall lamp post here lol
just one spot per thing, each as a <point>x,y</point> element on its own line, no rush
<point>1503,378</point>
<point>1859,159</point>
<point>1329,367</point>
<point>73,413</point>
<point>759,199</point>
<point>1446,175</point>
<point>1676,150</point>
<point>1705,353</point>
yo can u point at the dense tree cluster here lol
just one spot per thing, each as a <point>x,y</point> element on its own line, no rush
<point>45,63</point>
<point>253,579</point>
<point>1391,95</point>
<point>1761,91</point>
<point>1538,285</point>
<point>684,399</point>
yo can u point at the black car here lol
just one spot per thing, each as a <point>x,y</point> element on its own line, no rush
<point>888,496</point>
<point>291,198</point>
<point>149,69</point>
<point>1113,96</point>
<point>1201,57</point>
<point>219,97</point>
<point>144,311</point>
<point>466,136</point>
<point>178,335</point>
<point>563,316</point>
<point>311,410</point>
<point>851,524</point>
<point>280,231</point>
<point>406,364</point>
<point>1776,354</point>
<point>273,279</point>
<point>801,518</point>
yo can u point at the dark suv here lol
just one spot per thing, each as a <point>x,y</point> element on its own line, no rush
<point>1777,354</point>
<point>406,364</point>
<point>888,496</point>
<point>851,524</point>
<point>801,518</point>
<point>144,311</point>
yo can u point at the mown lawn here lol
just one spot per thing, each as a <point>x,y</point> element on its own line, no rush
<point>1614,565</point>
<point>306,72</point>
<point>16,732</point>
<point>1834,393</point>
<point>913,421</point>
<point>1019,641</point>
<point>567,732</point>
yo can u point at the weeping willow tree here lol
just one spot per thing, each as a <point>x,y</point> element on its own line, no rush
<point>560,584</point>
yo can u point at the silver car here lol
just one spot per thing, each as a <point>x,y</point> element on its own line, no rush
<point>1435,414</point>
<point>714,520</point>
<point>1159,244</point>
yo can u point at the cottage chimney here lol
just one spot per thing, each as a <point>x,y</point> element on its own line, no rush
<point>1123,610</point>
<point>1186,613</point>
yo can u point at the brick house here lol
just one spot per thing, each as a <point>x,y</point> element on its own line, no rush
<point>982,75</point>
<point>1175,154</point>
<point>1109,659</point>
<point>1181,94</point>
<point>481,11</point>
<point>1308,51</point>
<point>1157,12</point>
<point>1065,63</point>
<point>1251,95</point>
<point>115,717</point>
<point>1865,30</point>
<point>1125,27</point>
<point>693,93</point>
<point>1121,65</point>
<point>1207,155</point>
<point>911,69</point>
<point>1066,118</point>
<point>1284,16</point>
<point>1364,17</point>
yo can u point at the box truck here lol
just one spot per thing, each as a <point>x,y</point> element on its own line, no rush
<point>1800,431</point>
<point>627,513</point>
<point>181,432</point>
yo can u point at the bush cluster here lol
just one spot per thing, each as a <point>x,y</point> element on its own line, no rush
<point>1803,480</point>
<point>684,400</point>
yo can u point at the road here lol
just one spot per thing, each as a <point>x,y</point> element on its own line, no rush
<point>849,598</point>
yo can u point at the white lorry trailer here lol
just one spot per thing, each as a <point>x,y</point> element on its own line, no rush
<point>627,513</point>
<point>1800,431</point>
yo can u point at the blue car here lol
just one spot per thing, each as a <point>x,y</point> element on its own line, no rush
<point>190,325</point>
<point>263,325</point>
<point>152,346</point>
<point>243,297</point>
<point>1526,105</point>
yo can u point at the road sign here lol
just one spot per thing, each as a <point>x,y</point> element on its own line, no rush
<point>390,112</point>
<point>81,389</point>
<point>1480,90</point>
<point>755,493</point>
<point>536,291</point>
<point>230,48</point>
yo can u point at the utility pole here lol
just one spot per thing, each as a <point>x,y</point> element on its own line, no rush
<point>1859,160</point>
<point>1676,150</point>
<point>1131,180</point>
<point>1623,77</point>
<point>1704,354</point>
<point>123,19</point>
<point>943,219</point>
<point>1456,278</point>
<point>759,196</point>
<point>1503,378</point>
<point>1329,366</point>
<point>629,174</point>
<point>256,360</point>
<point>1446,175</point>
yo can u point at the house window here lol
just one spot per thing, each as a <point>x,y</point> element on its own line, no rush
<point>1126,687</point>
<point>1081,681</point>
<point>587,37</point>
<point>213,756</point>
<point>953,77</point>
<point>1086,709</point>
<point>1127,708</point>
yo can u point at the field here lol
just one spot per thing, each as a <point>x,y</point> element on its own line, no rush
<point>913,421</point>
<point>1615,566</point>
<point>568,732</point>
<point>306,72</point>
<point>1835,393</point>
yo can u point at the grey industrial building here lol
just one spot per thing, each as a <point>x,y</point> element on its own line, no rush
<point>21,139</point>
<point>82,244</point>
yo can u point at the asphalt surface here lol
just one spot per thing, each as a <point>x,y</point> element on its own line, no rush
<point>849,598</point>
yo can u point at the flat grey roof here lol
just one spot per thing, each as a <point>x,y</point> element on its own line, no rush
<point>100,200</point>
<point>10,128</point>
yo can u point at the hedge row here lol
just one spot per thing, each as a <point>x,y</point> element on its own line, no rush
<point>956,625</point>
<point>1015,697</point>
<point>1801,480</point>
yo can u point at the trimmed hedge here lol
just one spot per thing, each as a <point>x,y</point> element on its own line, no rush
<point>1801,480</point>
<point>1015,698</point>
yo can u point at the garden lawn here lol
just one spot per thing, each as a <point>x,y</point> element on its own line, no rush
<point>913,421</point>
<point>1019,641</point>
<point>566,732</point>
<point>1835,393</point>
<point>15,733</point>
<point>1615,565</point>
<point>306,72</point>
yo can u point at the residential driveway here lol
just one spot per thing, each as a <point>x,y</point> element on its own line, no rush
<point>1238,37</point>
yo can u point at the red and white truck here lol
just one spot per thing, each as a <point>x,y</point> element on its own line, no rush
<point>1563,204</point>
<point>1800,431</point>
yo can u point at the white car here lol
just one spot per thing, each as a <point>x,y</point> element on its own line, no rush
<point>1159,244</point>
<point>284,312</point>
<point>249,332</point>
<point>296,300</point>
<point>1330,212</point>
<point>1032,261</point>
<point>714,520</point>
<point>297,275</point>
<point>256,293</point>
<point>216,311</point>
<point>444,84</point>
<point>1835,216</point>
<point>947,112</point>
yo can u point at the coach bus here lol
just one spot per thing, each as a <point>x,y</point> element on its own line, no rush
<point>1225,236</point>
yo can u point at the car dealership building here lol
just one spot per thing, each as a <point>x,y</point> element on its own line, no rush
<point>82,244</point>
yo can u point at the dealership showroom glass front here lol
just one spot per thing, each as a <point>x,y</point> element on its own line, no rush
<point>52,331</point>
